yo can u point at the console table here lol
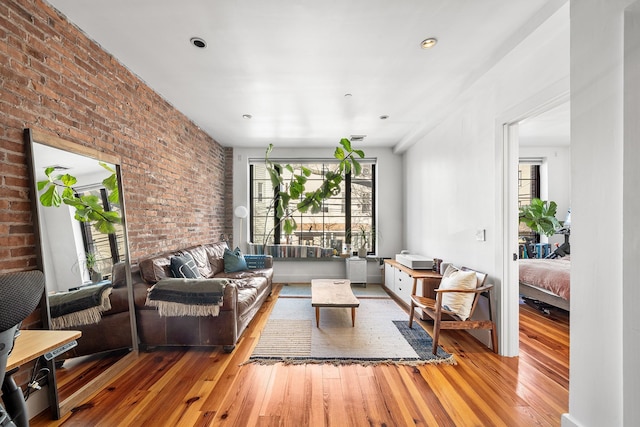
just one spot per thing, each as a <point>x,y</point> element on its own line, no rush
<point>401,280</point>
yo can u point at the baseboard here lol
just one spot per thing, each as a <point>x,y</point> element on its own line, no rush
<point>568,421</point>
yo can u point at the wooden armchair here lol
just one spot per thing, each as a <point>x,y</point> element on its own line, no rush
<point>447,319</point>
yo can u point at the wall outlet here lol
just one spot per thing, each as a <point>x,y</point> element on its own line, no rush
<point>480,235</point>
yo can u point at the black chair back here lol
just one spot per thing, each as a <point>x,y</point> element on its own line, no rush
<point>20,294</point>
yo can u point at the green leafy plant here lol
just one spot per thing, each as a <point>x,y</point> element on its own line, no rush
<point>90,261</point>
<point>58,189</point>
<point>293,197</point>
<point>540,216</point>
<point>93,266</point>
<point>361,235</point>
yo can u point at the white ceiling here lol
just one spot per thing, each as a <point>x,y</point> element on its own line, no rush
<point>549,129</point>
<point>289,63</point>
<point>88,171</point>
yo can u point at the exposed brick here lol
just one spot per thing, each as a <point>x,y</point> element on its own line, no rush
<point>56,80</point>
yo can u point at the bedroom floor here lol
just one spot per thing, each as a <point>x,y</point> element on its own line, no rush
<point>546,310</point>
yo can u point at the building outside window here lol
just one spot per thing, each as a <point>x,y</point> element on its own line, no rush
<point>528,189</point>
<point>345,218</point>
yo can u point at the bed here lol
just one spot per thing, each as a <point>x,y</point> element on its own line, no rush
<point>546,280</point>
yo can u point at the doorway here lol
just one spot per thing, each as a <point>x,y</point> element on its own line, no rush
<point>514,128</point>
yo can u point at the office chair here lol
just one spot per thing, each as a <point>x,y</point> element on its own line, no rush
<point>20,294</point>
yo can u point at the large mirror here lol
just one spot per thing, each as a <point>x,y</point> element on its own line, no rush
<point>85,262</point>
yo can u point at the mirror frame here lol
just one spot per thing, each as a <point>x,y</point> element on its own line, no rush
<point>31,136</point>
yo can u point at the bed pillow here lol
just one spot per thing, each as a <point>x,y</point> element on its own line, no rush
<point>459,303</point>
<point>234,261</point>
<point>184,266</point>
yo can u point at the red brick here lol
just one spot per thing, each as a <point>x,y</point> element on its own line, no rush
<point>55,80</point>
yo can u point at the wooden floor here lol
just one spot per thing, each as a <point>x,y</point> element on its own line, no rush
<point>206,387</point>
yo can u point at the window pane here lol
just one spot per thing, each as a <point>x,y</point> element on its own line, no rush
<point>107,249</point>
<point>528,188</point>
<point>326,228</point>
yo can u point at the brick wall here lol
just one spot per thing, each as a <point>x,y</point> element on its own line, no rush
<point>56,80</point>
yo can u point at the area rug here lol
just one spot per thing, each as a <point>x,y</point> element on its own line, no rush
<point>295,290</point>
<point>381,336</point>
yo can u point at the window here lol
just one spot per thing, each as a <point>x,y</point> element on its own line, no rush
<point>107,248</point>
<point>528,188</point>
<point>352,209</point>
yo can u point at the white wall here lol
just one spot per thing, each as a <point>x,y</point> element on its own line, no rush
<point>389,210</point>
<point>604,386</point>
<point>451,173</point>
<point>61,238</point>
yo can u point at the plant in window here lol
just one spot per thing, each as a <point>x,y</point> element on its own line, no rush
<point>360,237</point>
<point>292,195</point>
<point>58,189</point>
<point>540,216</point>
<point>92,263</point>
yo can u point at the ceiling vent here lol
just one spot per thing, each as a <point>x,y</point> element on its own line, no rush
<point>357,138</point>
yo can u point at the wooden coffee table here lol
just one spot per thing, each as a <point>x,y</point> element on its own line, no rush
<point>333,293</point>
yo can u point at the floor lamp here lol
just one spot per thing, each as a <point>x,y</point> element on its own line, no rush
<point>241,212</point>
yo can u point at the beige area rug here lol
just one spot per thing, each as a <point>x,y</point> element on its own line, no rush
<point>381,335</point>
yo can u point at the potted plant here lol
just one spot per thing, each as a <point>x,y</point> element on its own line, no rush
<point>540,216</point>
<point>91,262</point>
<point>293,197</point>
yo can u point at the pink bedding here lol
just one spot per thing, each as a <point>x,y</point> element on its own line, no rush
<point>550,274</point>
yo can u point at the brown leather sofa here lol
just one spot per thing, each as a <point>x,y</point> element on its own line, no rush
<point>243,297</point>
<point>114,329</point>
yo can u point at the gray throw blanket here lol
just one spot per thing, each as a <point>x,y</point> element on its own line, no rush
<point>80,307</point>
<point>187,297</point>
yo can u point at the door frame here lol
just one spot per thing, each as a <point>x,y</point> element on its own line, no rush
<point>507,153</point>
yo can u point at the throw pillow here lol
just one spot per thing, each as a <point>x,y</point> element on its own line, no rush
<point>234,261</point>
<point>459,303</point>
<point>184,266</point>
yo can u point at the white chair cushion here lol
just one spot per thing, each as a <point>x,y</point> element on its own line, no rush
<point>459,303</point>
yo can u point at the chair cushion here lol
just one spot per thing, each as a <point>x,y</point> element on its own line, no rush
<point>459,303</point>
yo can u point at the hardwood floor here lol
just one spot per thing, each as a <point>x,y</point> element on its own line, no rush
<point>206,387</point>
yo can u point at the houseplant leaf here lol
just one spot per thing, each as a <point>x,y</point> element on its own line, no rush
<point>539,216</point>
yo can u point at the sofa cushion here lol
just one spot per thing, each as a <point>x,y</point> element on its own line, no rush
<point>234,261</point>
<point>184,267</point>
<point>199,254</point>
<point>215,253</point>
<point>154,269</point>
<point>118,275</point>
<point>248,274</point>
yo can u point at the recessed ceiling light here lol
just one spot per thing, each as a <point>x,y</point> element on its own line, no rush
<point>246,116</point>
<point>198,42</point>
<point>428,43</point>
<point>384,117</point>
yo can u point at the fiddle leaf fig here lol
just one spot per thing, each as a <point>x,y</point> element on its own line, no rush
<point>88,207</point>
<point>540,216</point>
<point>294,190</point>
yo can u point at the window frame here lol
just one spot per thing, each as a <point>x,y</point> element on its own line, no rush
<point>346,210</point>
